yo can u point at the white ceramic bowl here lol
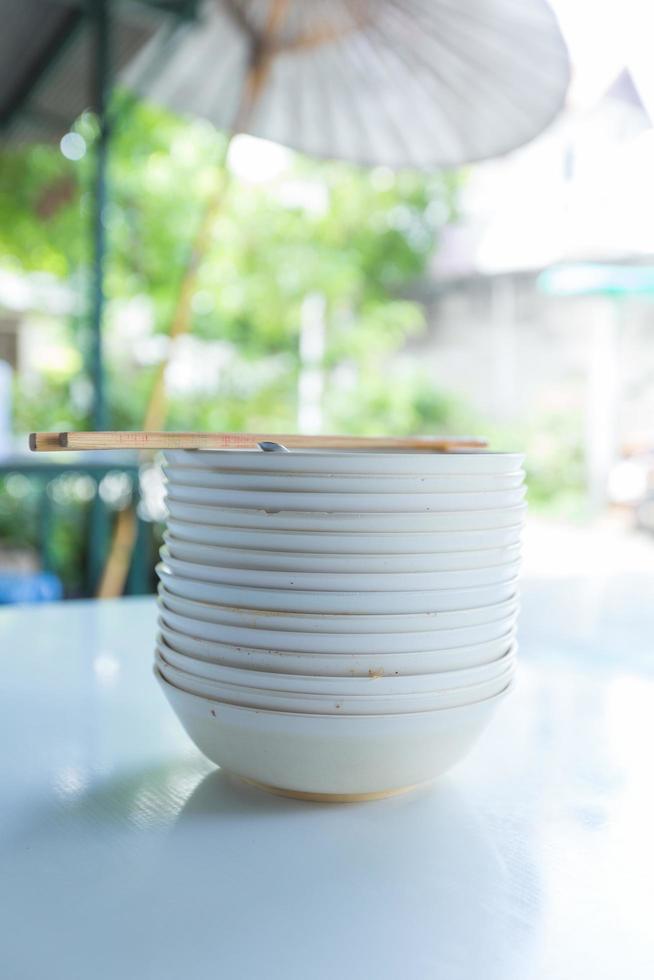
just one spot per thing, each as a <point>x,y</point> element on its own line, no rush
<point>272,660</point>
<point>376,626</point>
<point>249,558</point>
<point>373,684</point>
<point>258,578</point>
<point>327,704</point>
<point>331,503</point>
<point>357,462</point>
<point>332,643</point>
<point>336,483</point>
<point>346,523</point>
<point>344,603</point>
<point>201,656</point>
<point>341,756</point>
<point>337,545</point>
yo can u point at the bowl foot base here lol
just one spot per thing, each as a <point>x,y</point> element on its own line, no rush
<point>296,794</point>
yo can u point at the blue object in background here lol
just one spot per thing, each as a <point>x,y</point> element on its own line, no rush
<point>32,587</point>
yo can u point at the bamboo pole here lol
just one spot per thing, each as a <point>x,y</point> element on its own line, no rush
<point>262,50</point>
<point>261,55</point>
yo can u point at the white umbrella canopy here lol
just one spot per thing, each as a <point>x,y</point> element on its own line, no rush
<point>402,83</point>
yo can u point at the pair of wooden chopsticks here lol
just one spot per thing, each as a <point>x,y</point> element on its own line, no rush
<point>61,441</point>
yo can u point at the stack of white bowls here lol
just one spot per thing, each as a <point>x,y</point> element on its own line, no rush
<point>338,624</point>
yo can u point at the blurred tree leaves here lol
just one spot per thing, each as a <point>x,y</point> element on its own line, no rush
<point>358,238</point>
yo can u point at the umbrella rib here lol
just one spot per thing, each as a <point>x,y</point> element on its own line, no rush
<point>452,53</point>
<point>359,41</point>
<point>321,85</point>
<point>477,16</point>
<point>435,75</point>
<point>324,94</point>
<point>330,33</point>
<point>363,128</point>
<point>429,87</point>
<point>506,49</point>
<point>236,12</point>
<point>388,54</point>
<point>300,101</point>
<point>491,40</point>
<point>350,120</point>
<point>401,82</point>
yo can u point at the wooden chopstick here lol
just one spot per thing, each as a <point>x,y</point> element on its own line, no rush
<point>55,441</point>
<point>46,442</point>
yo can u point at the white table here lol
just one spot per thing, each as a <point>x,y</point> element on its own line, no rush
<point>125,856</point>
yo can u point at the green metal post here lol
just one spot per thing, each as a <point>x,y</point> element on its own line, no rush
<point>138,579</point>
<point>45,527</point>
<point>100,24</point>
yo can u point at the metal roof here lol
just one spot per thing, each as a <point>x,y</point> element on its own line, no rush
<point>47,54</point>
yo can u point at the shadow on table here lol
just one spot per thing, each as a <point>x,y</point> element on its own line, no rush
<point>412,883</point>
<point>202,875</point>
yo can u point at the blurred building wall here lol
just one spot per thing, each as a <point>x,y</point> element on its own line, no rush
<point>521,358</point>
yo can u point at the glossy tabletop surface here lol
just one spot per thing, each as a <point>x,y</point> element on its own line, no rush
<point>125,854</point>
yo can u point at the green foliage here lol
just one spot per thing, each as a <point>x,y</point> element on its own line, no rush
<point>357,238</point>
<point>554,459</point>
<point>405,404</point>
<point>39,229</point>
<point>23,504</point>
<point>555,464</point>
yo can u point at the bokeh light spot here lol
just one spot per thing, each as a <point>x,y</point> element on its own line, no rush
<point>73,146</point>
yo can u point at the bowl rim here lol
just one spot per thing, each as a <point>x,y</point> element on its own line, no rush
<point>512,603</point>
<point>166,556</point>
<point>314,715</point>
<point>331,494</point>
<point>160,567</point>
<point>332,526</point>
<point>363,701</point>
<point>521,508</point>
<point>169,535</point>
<point>163,610</point>
<point>232,529</point>
<point>508,658</point>
<point>520,489</point>
<point>349,453</point>
<point>166,629</point>
<point>335,475</point>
